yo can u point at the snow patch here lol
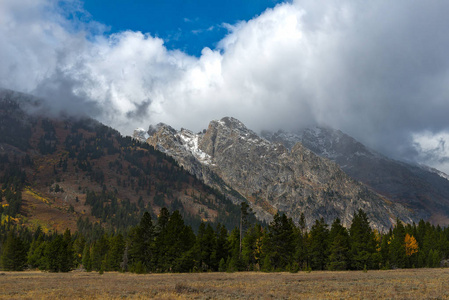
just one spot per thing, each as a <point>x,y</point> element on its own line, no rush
<point>190,141</point>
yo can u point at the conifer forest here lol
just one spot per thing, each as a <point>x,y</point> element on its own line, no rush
<point>167,244</point>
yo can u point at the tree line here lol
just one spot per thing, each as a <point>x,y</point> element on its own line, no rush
<point>167,244</point>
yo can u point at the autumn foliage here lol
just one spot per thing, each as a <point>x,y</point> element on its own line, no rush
<point>411,245</point>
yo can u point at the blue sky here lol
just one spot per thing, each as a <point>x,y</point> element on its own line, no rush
<point>187,25</point>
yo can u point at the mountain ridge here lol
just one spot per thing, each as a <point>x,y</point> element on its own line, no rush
<point>423,189</point>
<point>71,168</point>
<point>269,176</point>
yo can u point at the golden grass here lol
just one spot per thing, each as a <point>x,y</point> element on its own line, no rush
<point>393,284</point>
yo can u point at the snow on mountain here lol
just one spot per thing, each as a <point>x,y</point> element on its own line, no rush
<point>140,134</point>
<point>190,141</point>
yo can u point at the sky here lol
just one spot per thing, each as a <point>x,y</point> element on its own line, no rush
<point>377,70</point>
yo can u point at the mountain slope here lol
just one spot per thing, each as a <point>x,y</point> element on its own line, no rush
<point>55,170</point>
<point>420,188</point>
<point>271,177</point>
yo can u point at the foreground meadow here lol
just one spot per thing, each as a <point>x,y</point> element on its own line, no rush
<point>398,284</point>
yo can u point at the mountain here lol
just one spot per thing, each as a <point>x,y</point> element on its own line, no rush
<point>272,178</point>
<point>419,188</point>
<point>65,172</point>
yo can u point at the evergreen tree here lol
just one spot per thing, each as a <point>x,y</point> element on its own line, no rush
<point>87,261</point>
<point>339,247</point>
<point>252,248</point>
<point>280,243</point>
<point>58,253</point>
<point>172,242</point>
<point>301,255</point>
<point>99,251</point>
<point>362,242</point>
<point>205,248</point>
<point>385,250</point>
<point>36,254</point>
<point>398,257</point>
<point>141,249</point>
<point>14,256</point>
<point>115,254</point>
<point>244,223</point>
<point>222,247</point>
<point>234,262</point>
<point>319,250</point>
<point>78,248</point>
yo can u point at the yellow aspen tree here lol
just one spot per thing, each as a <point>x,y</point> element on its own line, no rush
<point>411,245</point>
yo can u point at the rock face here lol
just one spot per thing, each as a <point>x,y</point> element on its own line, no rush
<point>420,188</point>
<point>272,177</point>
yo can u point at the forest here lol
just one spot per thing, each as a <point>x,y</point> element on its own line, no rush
<point>167,244</point>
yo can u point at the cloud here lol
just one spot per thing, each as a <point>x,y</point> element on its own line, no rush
<point>378,70</point>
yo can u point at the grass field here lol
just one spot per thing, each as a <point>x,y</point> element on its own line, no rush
<point>397,284</point>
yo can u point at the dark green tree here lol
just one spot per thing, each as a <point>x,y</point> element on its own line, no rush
<point>252,248</point>
<point>362,242</point>
<point>338,247</point>
<point>281,242</point>
<point>172,242</point>
<point>301,254</point>
<point>115,253</point>
<point>87,261</point>
<point>141,249</point>
<point>318,245</point>
<point>14,256</point>
<point>398,258</point>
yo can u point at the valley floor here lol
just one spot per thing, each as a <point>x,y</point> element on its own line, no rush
<point>397,284</point>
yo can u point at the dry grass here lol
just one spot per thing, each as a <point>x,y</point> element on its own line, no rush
<point>397,284</point>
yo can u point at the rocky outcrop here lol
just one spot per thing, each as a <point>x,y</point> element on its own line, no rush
<point>419,188</point>
<point>271,177</point>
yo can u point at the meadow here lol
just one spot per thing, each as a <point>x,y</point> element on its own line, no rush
<point>397,284</point>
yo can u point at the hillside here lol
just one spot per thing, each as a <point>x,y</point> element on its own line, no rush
<point>57,172</point>
<point>420,188</point>
<point>271,177</point>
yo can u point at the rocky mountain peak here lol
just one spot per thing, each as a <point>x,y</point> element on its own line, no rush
<point>245,166</point>
<point>160,128</point>
<point>140,134</point>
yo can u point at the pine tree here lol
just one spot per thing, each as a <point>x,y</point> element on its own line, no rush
<point>78,248</point>
<point>397,246</point>
<point>87,261</point>
<point>362,242</point>
<point>301,255</point>
<point>234,261</point>
<point>115,253</point>
<point>280,243</point>
<point>251,248</point>
<point>36,253</point>
<point>222,246</point>
<point>98,253</point>
<point>385,250</point>
<point>141,246</point>
<point>172,242</point>
<point>14,256</point>
<point>244,212</point>
<point>318,247</point>
<point>66,253</point>
<point>339,247</point>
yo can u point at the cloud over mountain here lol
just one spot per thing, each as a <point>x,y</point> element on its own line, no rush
<point>378,71</point>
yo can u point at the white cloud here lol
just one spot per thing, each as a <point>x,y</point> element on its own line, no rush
<point>433,148</point>
<point>376,70</point>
